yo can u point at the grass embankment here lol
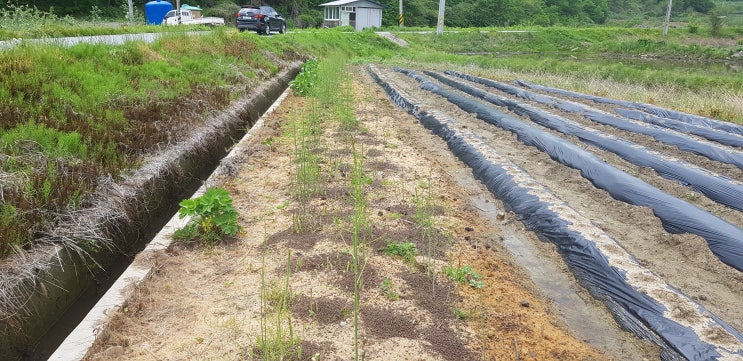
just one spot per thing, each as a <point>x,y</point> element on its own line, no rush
<point>606,52</point>
<point>690,72</point>
<point>65,127</point>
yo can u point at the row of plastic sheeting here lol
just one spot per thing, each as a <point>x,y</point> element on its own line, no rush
<point>685,143</point>
<point>720,189</point>
<point>724,239</point>
<point>719,136</point>
<point>534,206</point>
<point>647,108</point>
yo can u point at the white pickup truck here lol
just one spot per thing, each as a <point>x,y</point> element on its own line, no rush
<point>187,18</point>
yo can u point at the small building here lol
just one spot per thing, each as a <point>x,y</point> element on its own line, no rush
<point>195,10</point>
<point>359,14</point>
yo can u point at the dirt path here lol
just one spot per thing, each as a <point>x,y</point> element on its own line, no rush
<point>206,303</point>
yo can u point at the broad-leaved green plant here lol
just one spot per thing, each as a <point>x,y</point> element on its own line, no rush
<point>214,217</point>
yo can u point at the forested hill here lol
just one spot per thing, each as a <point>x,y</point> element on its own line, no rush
<point>459,13</point>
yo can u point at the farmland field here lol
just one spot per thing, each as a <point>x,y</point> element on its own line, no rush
<point>526,300</point>
<point>541,194</point>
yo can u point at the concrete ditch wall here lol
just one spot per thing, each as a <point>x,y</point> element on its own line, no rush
<point>42,293</point>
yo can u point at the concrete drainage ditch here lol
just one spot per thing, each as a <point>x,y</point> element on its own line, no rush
<point>39,296</point>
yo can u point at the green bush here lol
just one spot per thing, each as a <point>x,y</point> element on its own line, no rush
<point>214,217</point>
<point>716,23</point>
<point>226,10</point>
<point>310,19</point>
<point>305,81</point>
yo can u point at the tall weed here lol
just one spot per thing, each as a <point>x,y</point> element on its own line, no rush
<point>277,340</point>
<point>359,251</point>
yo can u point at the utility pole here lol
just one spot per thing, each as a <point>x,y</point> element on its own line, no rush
<point>668,18</point>
<point>440,25</point>
<point>401,19</point>
<point>131,13</point>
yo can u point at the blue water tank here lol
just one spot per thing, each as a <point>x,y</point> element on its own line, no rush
<point>154,11</point>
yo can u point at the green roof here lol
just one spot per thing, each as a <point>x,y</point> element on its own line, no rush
<point>189,7</point>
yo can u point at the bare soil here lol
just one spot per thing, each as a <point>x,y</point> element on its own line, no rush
<point>204,303</point>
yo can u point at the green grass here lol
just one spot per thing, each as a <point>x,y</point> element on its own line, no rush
<point>562,40</point>
<point>627,55</point>
<point>304,83</point>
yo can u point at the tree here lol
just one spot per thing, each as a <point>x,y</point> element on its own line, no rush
<point>701,6</point>
<point>417,12</point>
<point>580,11</point>
<point>597,10</point>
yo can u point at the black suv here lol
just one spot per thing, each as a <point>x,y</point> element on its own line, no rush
<point>262,19</point>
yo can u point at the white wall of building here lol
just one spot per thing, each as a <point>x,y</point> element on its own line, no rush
<point>368,17</point>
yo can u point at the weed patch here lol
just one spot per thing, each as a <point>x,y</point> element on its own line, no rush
<point>405,250</point>
<point>277,340</point>
<point>463,275</point>
<point>214,217</point>
<point>389,290</point>
<point>305,82</point>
